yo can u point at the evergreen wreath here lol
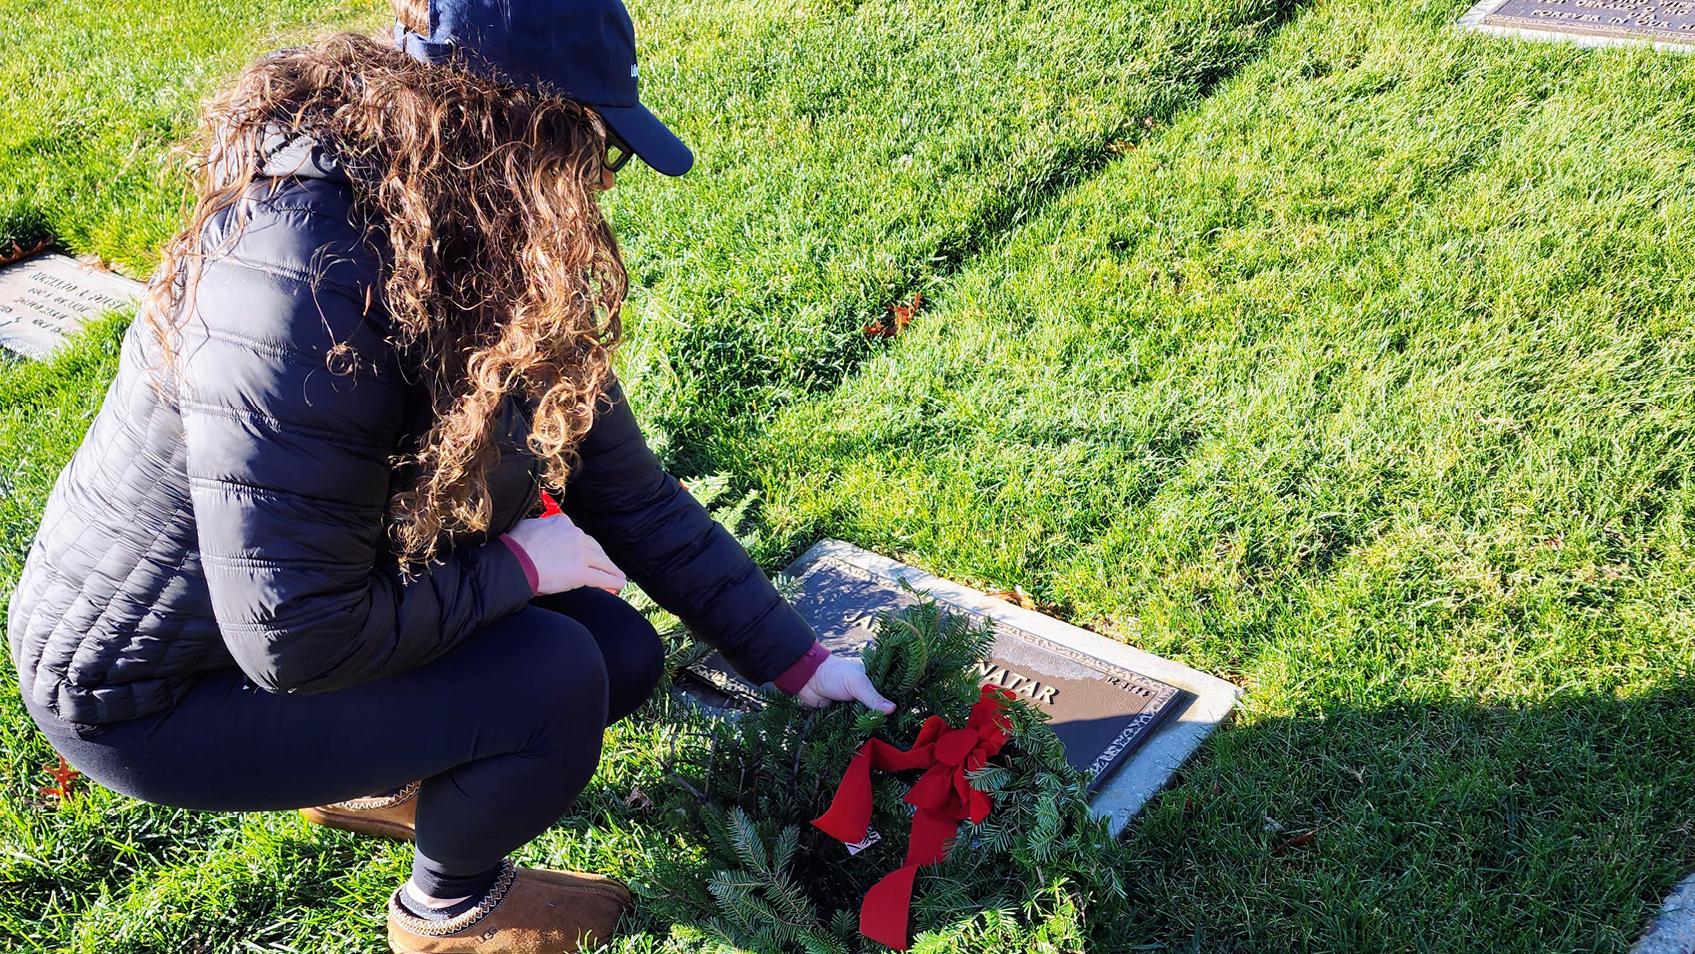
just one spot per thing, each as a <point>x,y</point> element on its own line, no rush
<point>1039,873</point>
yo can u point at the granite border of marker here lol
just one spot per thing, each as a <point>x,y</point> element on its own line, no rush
<point>1673,932</point>
<point>1474,19</point>
<point>1151,766</point>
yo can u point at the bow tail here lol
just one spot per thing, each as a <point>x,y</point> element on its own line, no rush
<point>931,832</point>
<point>849,813</point>
<point>884,914</point>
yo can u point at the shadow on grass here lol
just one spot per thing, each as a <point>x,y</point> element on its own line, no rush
<point>1207,54</point>
<point>1454,826</point>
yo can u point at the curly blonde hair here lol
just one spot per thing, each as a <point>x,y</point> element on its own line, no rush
<point>504,275</point>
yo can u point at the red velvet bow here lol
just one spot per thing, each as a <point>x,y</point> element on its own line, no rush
<point>942,795</point>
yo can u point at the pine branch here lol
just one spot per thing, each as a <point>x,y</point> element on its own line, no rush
<point>750,849</point>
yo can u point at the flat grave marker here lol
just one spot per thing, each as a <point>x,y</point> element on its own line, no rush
<point>1673,931</point>
<point>1127,716</point>
<point>1668,25</point>
<point>47,298</point>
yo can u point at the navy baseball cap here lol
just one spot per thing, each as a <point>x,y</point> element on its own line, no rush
<point>582,49</point>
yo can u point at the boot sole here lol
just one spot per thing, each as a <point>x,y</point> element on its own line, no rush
<point>408,950</point>
<point>359,826</point>
<point>609,891</point>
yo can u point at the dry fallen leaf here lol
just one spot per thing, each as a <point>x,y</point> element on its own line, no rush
<point>64,780</point>
<point>903,313</point>
<point>1015,596</point>
<point>18,253</point>
<point>637,799</point>
<point>899,317</point>
<point>1302,840</point>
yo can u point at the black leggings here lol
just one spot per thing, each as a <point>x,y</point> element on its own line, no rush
<point>504,731</point>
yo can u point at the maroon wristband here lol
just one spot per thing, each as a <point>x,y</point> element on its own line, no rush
<point>524,560</point>
<point>795,678</point>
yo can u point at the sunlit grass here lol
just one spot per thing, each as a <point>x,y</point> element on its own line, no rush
<point>1347,357</point>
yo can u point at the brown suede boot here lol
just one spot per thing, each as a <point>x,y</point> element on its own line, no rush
<point>385,816</point>
<point>527,911</point>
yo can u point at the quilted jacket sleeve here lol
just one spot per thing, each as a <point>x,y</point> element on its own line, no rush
<point>288,467</point>
<point>663,539</point>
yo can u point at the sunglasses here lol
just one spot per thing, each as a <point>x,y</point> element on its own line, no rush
<point>618,152</point>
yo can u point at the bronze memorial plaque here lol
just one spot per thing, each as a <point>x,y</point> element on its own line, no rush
<point>46,299</point>
<point>1671,22</point>
<point>1102,711</point>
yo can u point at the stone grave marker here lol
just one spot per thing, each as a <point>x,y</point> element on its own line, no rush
<point>46,299</point>
<point>1673,931</point>
<point>1668,25</point>
<point>1129,717</point>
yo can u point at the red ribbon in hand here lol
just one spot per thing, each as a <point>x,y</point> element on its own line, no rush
<point>943,797</point>
<point>549,506</point>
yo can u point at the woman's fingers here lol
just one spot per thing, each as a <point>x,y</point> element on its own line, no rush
<point>842,680</point>
<point>595,555</point>
<point>867,694</point>
<point>598,568</point>
<point>592,548</point>
<point>604,579</point>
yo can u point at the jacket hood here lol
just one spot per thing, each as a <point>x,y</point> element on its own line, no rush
<point>289,153</point>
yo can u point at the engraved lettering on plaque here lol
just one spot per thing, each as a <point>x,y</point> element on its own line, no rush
<point>1672,22</point>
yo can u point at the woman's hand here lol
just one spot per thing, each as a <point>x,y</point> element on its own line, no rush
<point>842,680</point>
<point>564,556</point>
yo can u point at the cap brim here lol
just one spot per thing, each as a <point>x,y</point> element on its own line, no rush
<point>651,139</point>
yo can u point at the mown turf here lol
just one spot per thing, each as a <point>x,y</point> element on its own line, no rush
<point>852,154</point>
<point>1366,381</point>
<point>848,153</point>
<point>94,95</point>
<point>1370,385</point>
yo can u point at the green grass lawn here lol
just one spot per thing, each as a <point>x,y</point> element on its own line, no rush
<point>1320,347</point>
<point>854,154</point>
<point>95,93</point>
<point>1371,384</point>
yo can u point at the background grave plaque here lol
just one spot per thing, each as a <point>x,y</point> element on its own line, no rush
<point>46,299</point>
<point>1668,25</point>
<point>1128,716</point>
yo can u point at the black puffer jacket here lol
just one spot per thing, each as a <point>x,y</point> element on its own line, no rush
<point>235,520</point>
